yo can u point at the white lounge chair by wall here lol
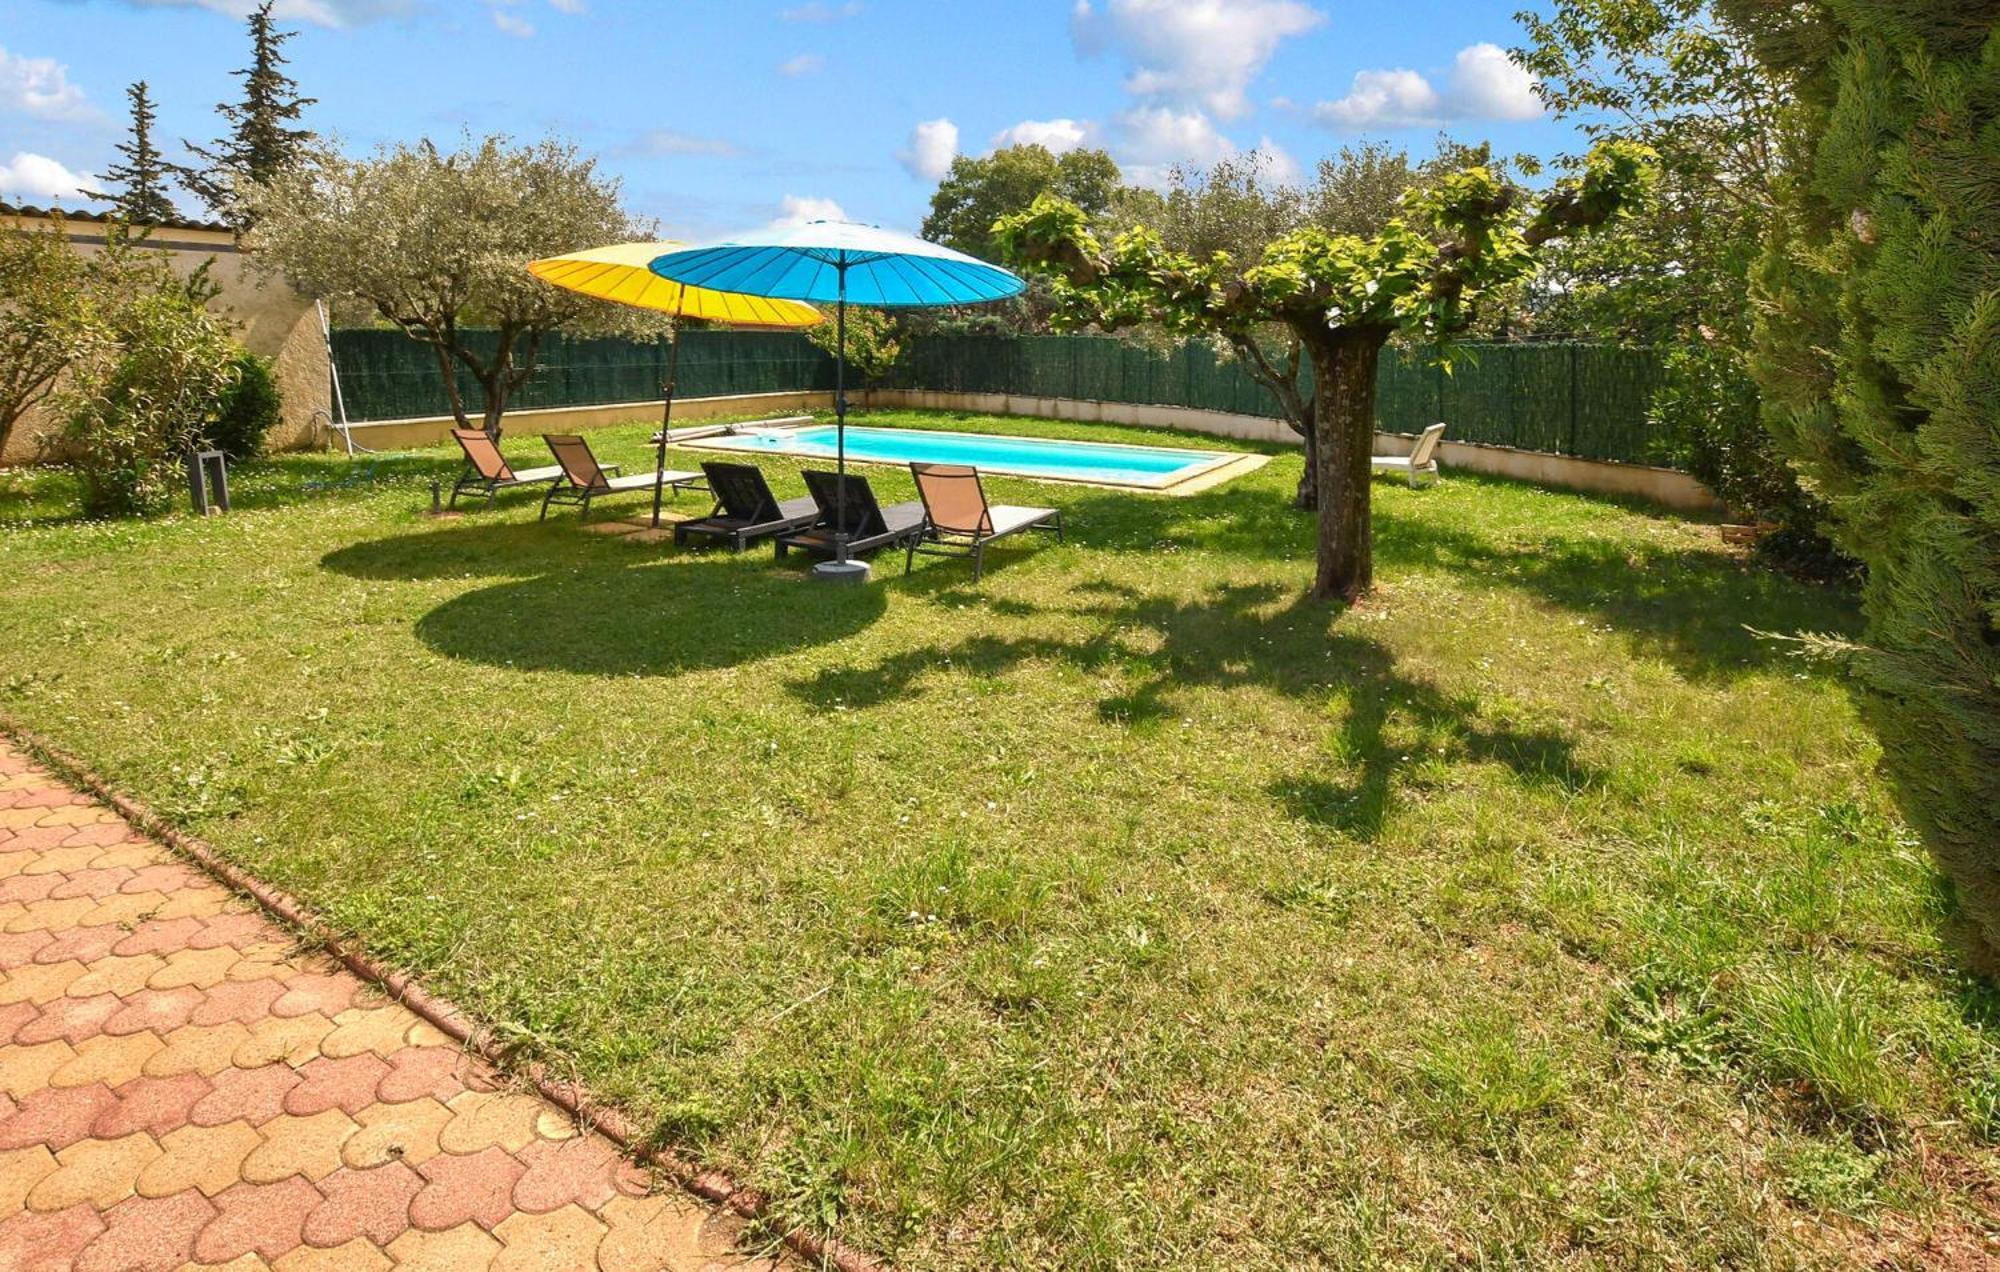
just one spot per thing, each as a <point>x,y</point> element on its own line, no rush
<point>1422,459</point>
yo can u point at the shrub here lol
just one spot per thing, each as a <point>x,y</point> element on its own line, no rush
<point>1879,354</point>
<point>251,407</point>
<point>153,390</point>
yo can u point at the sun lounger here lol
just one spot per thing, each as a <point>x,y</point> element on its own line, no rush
<point>745,508</point>
<point>959,522</point>
<point>870,526</point>
<point>584,479</point>
<point>487,470</point>
<point>1422,459</point>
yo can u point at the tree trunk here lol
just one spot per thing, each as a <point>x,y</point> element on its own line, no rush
<point>449,370</point>
<point>1344,365</point>
<point>1307,498</point>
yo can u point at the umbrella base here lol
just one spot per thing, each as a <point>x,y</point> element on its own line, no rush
<point>840,572</point>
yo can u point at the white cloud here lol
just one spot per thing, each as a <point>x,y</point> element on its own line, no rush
<point>1488,84</point>
<point>1483,83</point>
<point>513,24</point>
<point>933,145</point>
<point>820,11</point>
<point>32,178</point>
<point>799,209</point>
<point>1275,164</point>
<point>569,6</point>
<point>326,13</point>
<point>1192,52</point>
<point>1150,141</point>
<point>1057,136</point>
<point>803,64</point>
<point>39,87</point>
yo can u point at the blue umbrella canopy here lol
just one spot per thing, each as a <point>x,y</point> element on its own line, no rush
<point>811,261</point>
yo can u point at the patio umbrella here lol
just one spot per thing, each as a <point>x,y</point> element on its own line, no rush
<point>840,262</point>
<point>618,273</point>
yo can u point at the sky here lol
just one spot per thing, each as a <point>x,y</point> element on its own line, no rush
<point>727,114</point>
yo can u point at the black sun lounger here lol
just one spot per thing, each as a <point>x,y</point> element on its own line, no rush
<point>745,509</point>
<point>870,526</point>
<point>487,470</point>
<point>584,479</point>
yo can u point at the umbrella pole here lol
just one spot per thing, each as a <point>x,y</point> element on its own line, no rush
<point>667,417</point>
<point>840,419</point>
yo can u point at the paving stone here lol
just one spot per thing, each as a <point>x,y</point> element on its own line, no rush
<point>347,1084</point>
<point>13,1017</point>
<point>263,1219</point>
<point>84,944</point>
<point>64,860</point>
<point>478,1187</point>
<point>132,853</point>
<point>480,1118</point>
<point>20,1170</point>
<point>31,1242</point>
<point>49,916</point>
<point>406,1132</point>
<point>108,1059</point>
<point>39,982</point>
<point>29,887</point>
<point>556,1124</point>
<point>18,949</point>
<point>208,1159</point>
<point>294,1040</point>
<point>308,1146</point>
<point>204,1049</point>
<point>254,1095</point>
<point>374,1204</point>
<point>559,1241</point>
<point>148,1234</point>
<point>241,929</point>
<point>198,903</point>
<point>70,1019</point>
<point>357,1255</point>
<point>56,1117</point>
<point>377,1029</point>
<point>159,936</point>
<point>126,910</point>
<point>163,877</point>
<point>648,1234</point>
<point>427,1071</point>
<point>93,882</point>
<point>581,1171</point>
<point>152,1105</point>
<point>245,1002</point>
<point>202,969</point>
<point>329,994</point>
<point>459,1249</point>
<point>117,975</point>
<point>24,1070</point>
<point>159,1010</point>
<point>100,1172</point>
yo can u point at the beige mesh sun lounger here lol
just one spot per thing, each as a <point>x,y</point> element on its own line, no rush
<point>584,479</point>
<point>959,522</point>
<point>487,470</point>
<point>1422,458</point>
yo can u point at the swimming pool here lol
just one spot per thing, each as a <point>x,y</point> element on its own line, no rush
<point>1053,459</point>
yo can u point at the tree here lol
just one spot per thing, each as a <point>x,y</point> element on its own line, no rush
<point>142,198</point>
<point>262,141</point>
<point>976,192</point>
<point>1878,352</point>
<point>1234,208</point>
<point>874,343</point>
<point>1342,295</point>
<point>438,244</point>
<point>42,317</point>
<point>1681,78</point>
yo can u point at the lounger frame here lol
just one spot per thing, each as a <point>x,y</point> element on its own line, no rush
<point>745,508</point>
<point>496,475</point>
<point>873,527</point>
<point>584,479</point>
<point>950,537</point>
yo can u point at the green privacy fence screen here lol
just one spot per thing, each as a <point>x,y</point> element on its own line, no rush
<point>1572,399</point>
<point>385,375</point>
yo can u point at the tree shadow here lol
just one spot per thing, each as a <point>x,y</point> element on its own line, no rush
<point>1236,635</point>
<point>598,607</point>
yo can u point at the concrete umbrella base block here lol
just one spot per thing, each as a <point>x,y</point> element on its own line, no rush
<point>850,572</point>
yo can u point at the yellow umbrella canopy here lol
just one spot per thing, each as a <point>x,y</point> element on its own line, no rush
<point>619,273</point>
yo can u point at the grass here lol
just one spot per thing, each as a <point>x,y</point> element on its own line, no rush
<point>1125,910</point>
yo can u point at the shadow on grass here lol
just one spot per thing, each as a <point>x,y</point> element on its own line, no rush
<point>1694,607</point>
<point>1240,635</point>
<point>594,606</point>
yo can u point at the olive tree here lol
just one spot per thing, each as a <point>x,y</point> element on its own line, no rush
<point>437,243</point>
<point>43,327</point>
<point>1342,295</point>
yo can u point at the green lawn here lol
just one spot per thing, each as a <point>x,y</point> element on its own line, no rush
<point>1125,910</point>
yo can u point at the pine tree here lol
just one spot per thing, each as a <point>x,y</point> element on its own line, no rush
<point>1879,359</point>
<point>142,198</point>
<point>261,143</point>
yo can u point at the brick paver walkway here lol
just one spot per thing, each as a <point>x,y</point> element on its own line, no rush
<point>178,1090</point>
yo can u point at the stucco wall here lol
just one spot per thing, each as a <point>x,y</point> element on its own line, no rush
<point>271,320</point>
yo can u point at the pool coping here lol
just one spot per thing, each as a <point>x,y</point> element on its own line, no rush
<point>1221,467</point>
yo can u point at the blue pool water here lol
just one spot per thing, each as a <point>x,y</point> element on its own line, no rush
<point>1150,466</point>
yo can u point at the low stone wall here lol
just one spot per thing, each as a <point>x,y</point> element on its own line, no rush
<point>1665,486</point>
<point>436,430</point>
